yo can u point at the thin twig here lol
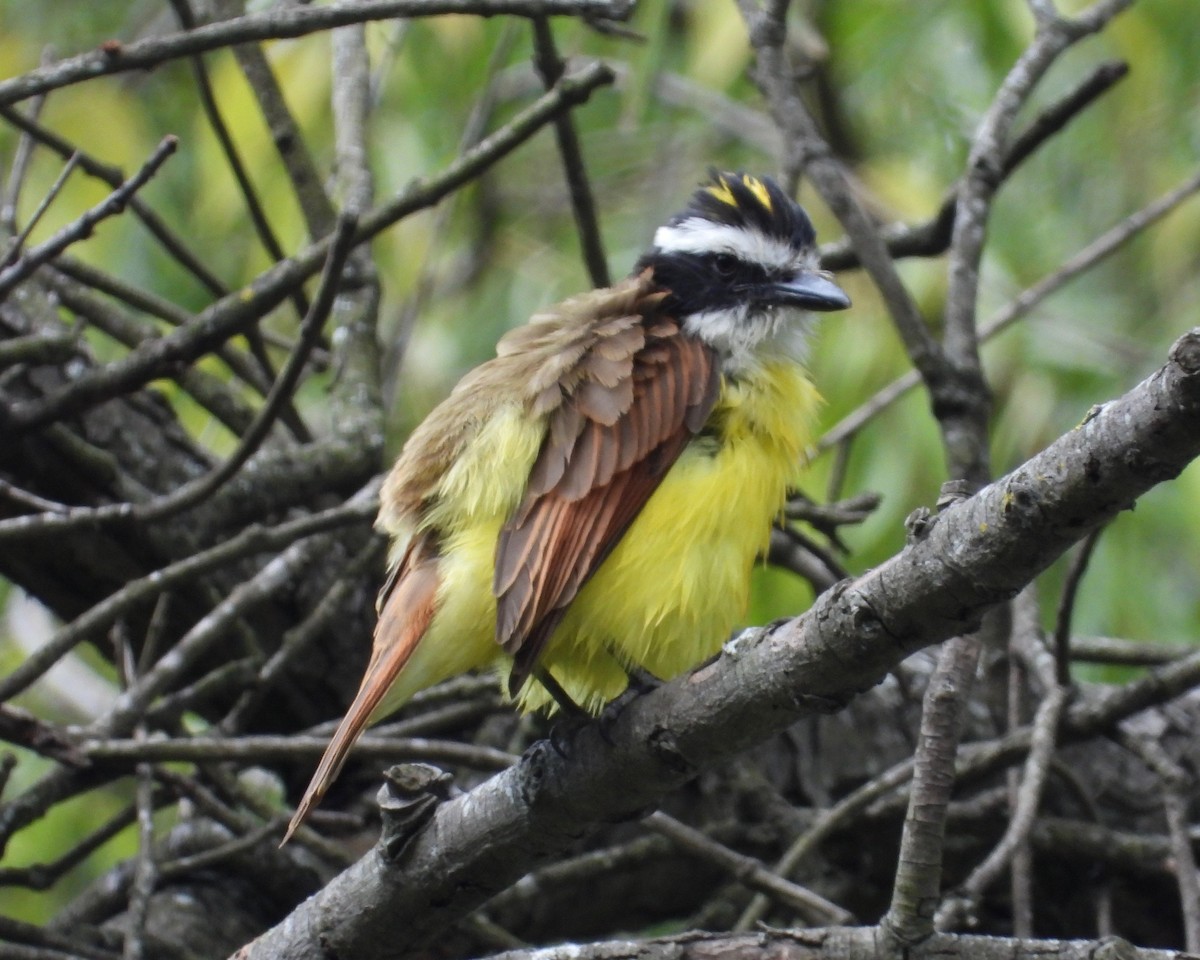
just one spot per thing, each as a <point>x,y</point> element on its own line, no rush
<point>350,98</point>
<point>233,159</point>
<point>1089,717</point>
<point>355,394</point>
<point>25,941</point>
<point>235,312</point>
<point>223,681</point>
<point>964,422</point>
<point>22,728</point>
<point>813,907</point>
<point>261,748</point>
<point>214,626</point>
<point>18,242</point>
<point>201,488</point>
<point>189,865</point>
<point>241,365</point>
<point>1175,789</point>
<point>1133,653</point>
<point>1066,607</point>
<point>175,246</point>
<point>21,160</point>
<point>145,873</point>
<point>215,394</point>
<point>1020,883</point>
<point>298,640</point>
<point>837,817</point>
<point>917,885</point>
<point>931,238</point>
<point>252,540</point>
<point>808,149</point>
<point>17,495</point>
<point>258,216</point>
<point>85,224</point>
<point>1104,245</point>
<point>473,131</point>
<point>550,68</point>
<point>277,24</point>
<point>40,348</point>
<point>581,871</point>
<point>42,876</point>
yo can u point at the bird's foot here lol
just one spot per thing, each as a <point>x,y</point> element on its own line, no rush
<point>571,719</point>
<point>641,682</point>
<point>564,731</point>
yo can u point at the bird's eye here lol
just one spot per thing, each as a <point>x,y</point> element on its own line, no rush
<point>726,265</point>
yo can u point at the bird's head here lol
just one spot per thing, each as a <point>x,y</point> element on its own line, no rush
<point>740,265</point>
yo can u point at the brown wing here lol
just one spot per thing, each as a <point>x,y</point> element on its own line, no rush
<point>406,605</point>
<point>627,409</point>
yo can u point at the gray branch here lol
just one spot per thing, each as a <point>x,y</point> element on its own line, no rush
<point>980,552</point>
<point>116,57</point>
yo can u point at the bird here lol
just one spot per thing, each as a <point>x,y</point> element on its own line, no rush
<point>588,505</point>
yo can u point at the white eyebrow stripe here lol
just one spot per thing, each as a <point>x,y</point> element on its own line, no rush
<point>700,236</point>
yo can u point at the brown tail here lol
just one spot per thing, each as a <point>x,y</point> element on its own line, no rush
<point>405,612</point>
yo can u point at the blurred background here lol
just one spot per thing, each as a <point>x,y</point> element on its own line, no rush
<point>899,88</point>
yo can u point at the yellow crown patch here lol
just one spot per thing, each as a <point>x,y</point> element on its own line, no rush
<point>759,189</point>
<point>722,191</point>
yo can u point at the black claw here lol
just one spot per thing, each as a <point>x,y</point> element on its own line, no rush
<point>641,681</point>
<point>565,730</point>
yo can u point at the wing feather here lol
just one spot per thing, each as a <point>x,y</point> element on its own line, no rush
<point>606,450</point>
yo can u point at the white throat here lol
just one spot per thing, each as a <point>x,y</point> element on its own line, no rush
<point>744,337</point>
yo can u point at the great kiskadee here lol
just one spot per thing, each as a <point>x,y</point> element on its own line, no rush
<point>593,499</point>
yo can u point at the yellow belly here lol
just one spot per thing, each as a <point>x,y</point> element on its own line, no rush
<point>675,586</point>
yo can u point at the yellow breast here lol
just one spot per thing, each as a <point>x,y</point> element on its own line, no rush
<point>678,582</point>
<point>675,586</point>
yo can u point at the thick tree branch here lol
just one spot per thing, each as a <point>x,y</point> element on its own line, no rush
<point>980,552</point>
<point>859,943</point>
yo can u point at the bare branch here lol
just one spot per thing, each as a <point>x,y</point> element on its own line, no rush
<point>918,884</point>
<point>310,331</point>
<point>84,225</point>
<point>995,542</point>
<point>932,238</point>
<point>1174,779</point>
<point>261,748</point>
<point>254,539</point>
<point>276,24</point>
<point>236,312</point>
<point>171,242</point>
<point>1066,608</point>
<point>807,148</point>
<point>1104,245</point>
<point>551,69</point>
<point>839,943</point>
<point>1037,765</point>
<point>749,871</point>
<point>17,242</point>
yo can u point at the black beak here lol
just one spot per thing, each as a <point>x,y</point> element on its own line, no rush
<point>809,290</point>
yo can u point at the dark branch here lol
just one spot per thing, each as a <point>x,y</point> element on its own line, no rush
<point>980,552</point>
